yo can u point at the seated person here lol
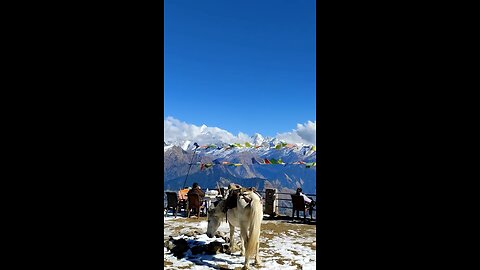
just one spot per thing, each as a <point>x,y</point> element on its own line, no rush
<point>309,203</point>
<point>196,189</point>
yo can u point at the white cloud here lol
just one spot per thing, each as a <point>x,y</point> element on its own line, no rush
<point>178,131</point>
<point>304,133</point>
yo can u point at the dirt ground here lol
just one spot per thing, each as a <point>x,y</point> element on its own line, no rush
<point>283,245</point>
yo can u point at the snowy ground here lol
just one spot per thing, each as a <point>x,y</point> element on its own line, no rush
<point>283,245</point>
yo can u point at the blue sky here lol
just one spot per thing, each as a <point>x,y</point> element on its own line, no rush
<point>242,66</point>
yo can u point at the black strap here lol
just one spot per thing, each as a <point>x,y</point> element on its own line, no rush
<point>248,200</point>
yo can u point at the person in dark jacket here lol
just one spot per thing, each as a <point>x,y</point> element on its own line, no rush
<point>307,200</point>
<point>309,203</point>
<point>196,189</point>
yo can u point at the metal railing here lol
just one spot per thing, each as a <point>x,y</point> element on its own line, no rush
<point>285,197</point>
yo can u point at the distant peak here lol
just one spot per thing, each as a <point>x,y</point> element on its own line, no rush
<point>257,139</point>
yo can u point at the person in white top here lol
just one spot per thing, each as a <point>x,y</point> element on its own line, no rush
<point>305,198</point>
<point>308,202</point>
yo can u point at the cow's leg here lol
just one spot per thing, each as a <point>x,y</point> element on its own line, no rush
<point>244,235</point>
<point>258,262</point>
<point>245,240</point>
<point>232,231</point>
<point>242,245</point>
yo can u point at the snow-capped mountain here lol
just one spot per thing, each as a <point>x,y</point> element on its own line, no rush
<point>179,154</point>
<point>257,139</point>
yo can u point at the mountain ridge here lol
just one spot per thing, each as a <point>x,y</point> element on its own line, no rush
<point>178,156</point>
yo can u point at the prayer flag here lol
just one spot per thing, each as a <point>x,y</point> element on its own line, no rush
<point>273,161</point>
<point>254,161</point>
<point>311,164</point>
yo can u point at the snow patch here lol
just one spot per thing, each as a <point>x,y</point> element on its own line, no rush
<point>285,250</point>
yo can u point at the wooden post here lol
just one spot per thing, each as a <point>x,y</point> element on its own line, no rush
<point>271,202</point>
